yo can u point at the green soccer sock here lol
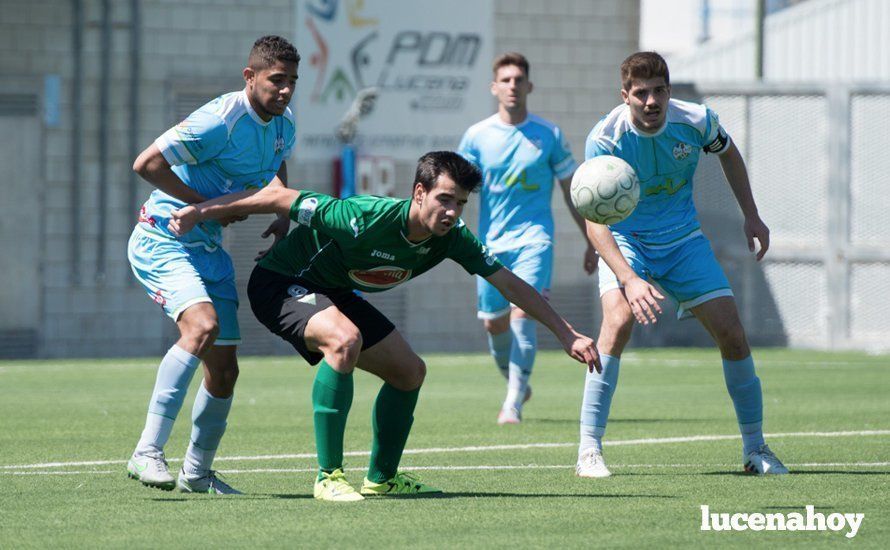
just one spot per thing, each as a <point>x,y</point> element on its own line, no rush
<point>331,399</point>
<point>392,419</point>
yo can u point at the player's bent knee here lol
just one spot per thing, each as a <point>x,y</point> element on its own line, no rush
<point>412,376</point>
<point>345,346</point>
<point>498,325</point>
<point>732,342</point>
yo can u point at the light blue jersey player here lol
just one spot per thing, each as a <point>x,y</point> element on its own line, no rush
<point>661,242</point>
<point>238,141</point>
<point>519,154</point>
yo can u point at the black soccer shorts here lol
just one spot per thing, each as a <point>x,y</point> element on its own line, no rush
<point>285,304</point>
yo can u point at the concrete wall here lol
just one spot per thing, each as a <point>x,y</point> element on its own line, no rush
<point>93,308</point>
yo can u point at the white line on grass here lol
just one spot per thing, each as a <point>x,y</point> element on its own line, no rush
<point>476,467</point>
<point>478,448</point>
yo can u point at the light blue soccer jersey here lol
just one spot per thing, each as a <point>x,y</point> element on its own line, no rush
<point>223,147</point>
<point>665,162</point>
<point>518,165</point>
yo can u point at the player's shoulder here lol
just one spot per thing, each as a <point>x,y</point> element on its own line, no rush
<point>226,109</point>
<point>479,128</point>
<point>546,126</point>
<point>608,131</point>
<point>688,113</point>
<point>289,117</point>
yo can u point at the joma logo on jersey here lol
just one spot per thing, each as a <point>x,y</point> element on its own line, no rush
<point>384,255</point>
<point>382,277</point>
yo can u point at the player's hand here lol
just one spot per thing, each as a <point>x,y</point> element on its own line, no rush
<point>591,258</point>
<point>183,220</point>
<point>643,299</point>
<point>278,229</point>
<point>231,219</point>
<point>582,349</point>
<point>756,229</point>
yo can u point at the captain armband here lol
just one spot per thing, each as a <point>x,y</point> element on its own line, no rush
<point>720,142</point>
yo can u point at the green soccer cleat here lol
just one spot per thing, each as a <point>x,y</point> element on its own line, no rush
<point>333,487</point>
<point>402,483</point>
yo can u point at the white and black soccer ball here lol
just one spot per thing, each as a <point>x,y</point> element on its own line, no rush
<point>605,190</point>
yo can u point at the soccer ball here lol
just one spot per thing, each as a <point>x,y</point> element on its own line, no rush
<point>605,190</point>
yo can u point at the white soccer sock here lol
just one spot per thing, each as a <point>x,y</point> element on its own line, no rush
<point>174,376</point>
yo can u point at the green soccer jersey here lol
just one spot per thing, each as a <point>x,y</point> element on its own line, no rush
<point>360,243</point>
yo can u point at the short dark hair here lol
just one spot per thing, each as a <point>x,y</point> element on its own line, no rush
<point>435,163</point>
<point>643,65</point>
<point>268,50</point>
<point>510,58</point>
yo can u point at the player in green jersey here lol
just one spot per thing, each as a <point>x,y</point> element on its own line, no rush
<point>303,291</point>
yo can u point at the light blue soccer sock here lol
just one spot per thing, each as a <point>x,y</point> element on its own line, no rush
<point>209,416</point>
<point>522,359</point>
<point>747,397</point>
<point>598,392</point>
<point>499,346</point>
<point>174,376</point>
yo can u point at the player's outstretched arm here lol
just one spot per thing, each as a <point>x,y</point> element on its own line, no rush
<point>642,296</point>
<point>579,347</point>
<point>590,255</point>
<point>268,200</point>
<point>154,168</point>
<point>737,175</point>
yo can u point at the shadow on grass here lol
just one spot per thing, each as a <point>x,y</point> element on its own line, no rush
<point>479,494</point>
<point>794,473</point>
<point>574,420</point>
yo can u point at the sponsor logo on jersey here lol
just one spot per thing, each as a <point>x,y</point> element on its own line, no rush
<point>384,255</point>
<point>279,144</point>
<point>682,150</point>
<point>296,291</point>
<point>145,218</point>
<point>489,257</point>
<point>424,250</point>
<point>306,210</point>
<point>380,277</point>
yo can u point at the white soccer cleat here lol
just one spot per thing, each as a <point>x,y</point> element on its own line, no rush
<point>510,415</point>
<point>209,484</point>
<point>591,464</point>
<point>763,462</point>
<point>151,470</point>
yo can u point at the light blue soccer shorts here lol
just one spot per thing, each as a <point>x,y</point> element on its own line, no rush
<point>533,264</point>
<point>177,276</point>
<point>687,271</point>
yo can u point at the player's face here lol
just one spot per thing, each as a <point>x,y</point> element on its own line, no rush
<point>441,206</point>
<point>271,89</point>
<point>648,102</point>
<point>511,87</point>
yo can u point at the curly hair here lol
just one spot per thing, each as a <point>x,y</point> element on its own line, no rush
<point>268,50</point>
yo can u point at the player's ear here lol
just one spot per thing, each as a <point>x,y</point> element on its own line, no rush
<point>419,192</point>
<point>493,88</point>
<point>624,96</point>
<point>248,74</point>
<point>531,87</point>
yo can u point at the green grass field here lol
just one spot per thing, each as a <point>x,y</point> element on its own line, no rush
<point>67,428</point>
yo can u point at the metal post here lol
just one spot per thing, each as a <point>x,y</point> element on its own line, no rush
<point>758,45</point>
<point>104,99</point>
<point>76,95</point>
<point>837,262</point>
